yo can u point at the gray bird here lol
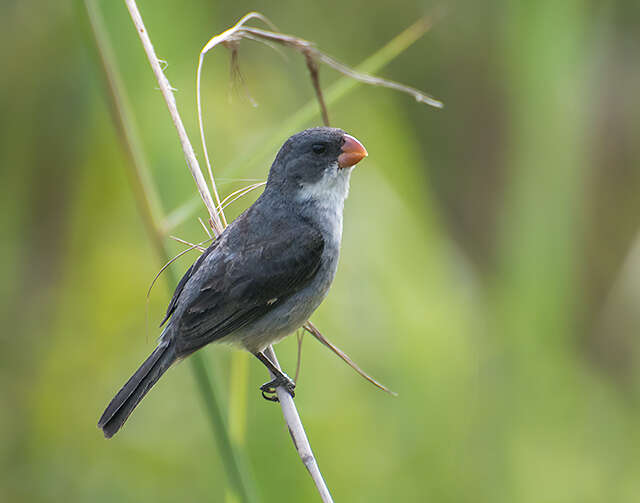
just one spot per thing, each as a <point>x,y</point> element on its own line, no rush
<point>264,276</point>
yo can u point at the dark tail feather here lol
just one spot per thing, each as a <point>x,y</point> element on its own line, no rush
<point>136,388</point>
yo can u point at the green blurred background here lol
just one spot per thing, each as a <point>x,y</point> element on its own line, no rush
<point>490,270</point>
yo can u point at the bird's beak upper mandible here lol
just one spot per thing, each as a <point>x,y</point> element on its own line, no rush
<point>352,152</point>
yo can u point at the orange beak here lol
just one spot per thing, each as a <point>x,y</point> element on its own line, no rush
<point>352,152</point>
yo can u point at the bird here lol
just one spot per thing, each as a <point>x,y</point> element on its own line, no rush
<point>265,274</point>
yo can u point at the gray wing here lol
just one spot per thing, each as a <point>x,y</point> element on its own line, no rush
<point>242,281</point>
<point>173,303</point>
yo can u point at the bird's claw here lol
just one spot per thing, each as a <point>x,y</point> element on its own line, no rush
<point>269,389</point>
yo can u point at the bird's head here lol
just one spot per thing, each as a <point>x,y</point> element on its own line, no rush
<point>316,164</point>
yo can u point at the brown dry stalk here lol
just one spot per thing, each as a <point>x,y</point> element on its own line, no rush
<point>308,48</point>
<point>315,79</point>
<point>311,328</point>
<point>231,38</point>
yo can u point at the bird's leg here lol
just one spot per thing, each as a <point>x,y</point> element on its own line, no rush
<point>280,379</point>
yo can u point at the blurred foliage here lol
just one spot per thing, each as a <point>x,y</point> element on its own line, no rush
<point>490,267</point>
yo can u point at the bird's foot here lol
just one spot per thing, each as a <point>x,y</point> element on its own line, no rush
<point>269,389</point>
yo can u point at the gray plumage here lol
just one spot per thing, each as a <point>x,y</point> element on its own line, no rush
<point>268,271</point>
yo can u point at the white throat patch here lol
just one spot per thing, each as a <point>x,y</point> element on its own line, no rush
<point>330,191</point>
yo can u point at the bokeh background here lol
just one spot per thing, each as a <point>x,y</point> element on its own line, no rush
<point>490,270</point>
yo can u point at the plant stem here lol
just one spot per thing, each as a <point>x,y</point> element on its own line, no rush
<point>167,93</point>
<point>298,434</point>
<point>149,206</point>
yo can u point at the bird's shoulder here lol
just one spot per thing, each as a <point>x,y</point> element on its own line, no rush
<point>260,256</point>
<point>264,250</point>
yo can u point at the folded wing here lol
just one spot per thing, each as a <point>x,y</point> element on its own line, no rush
<point>241,281</point>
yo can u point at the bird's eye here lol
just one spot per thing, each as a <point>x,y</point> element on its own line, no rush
<point>318,148</point>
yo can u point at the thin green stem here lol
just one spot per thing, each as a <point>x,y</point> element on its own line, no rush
<point>239,372</point>
<point>146,195</point>
<point>148,202</point>
<point>241,482</point>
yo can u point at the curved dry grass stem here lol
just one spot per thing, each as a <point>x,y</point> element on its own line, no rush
<point>231,37</point>
<point>163,268</point>
<point>196,246</point>
<point>206,230</point>
<point>311,328</point>
<point>212,43</point>
<point>307,48</point>
<point>234,196</point>
<point>167,93</point>
<point>338,90</point>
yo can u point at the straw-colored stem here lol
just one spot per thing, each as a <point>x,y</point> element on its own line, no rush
<point>298,435</point>
<point>167,93</point>
<point>148,203</point>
